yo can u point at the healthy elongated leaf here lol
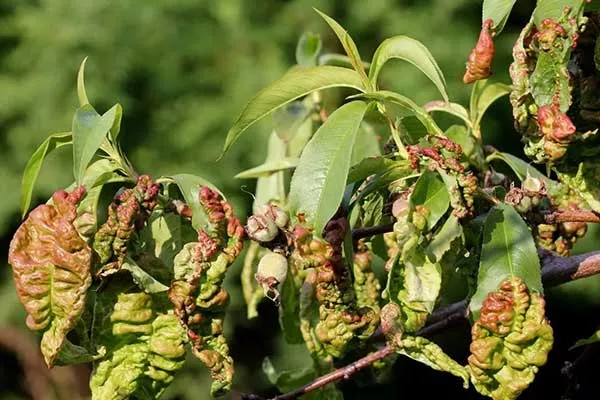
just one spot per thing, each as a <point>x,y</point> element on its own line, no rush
<point>349,46</point>
<point>339,60</point>
<point>367,143</point>
<point>498,11</point>
<point>450,108</point>
<point>483,95</point>
<point>430,192</point>
<point>190,188</point>
<point>296,83</point>
<point>89,131</point>
<point>370,166</point>
<point>81,93</point>
<point>410,50</point>
<point>34,165</point>
<point>268,168</point>
<point>508,251</point>
<point>318,184</point>
<point>272,187</point>
<point>521,168</point>
<point>308,49</point>
<point>408,106</point>
<point>595,338</point>
<point>442,241</point>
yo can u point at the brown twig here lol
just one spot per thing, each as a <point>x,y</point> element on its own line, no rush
<point>360,233</point>
<point>556,270</point>
<point>572,216</point>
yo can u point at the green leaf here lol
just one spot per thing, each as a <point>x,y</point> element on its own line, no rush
<point>289,317</point>
<point>498,11</point>
<point>430,192</point>
<point>272,187</point>
<point>349,47</point>
<point>190,188</point>
<point>339,60</point>
<point>450,108</point>
<point>268,168</point>
<point>367,144</point>
<point>554,9</point>
<point>443,239</point>
<point>319,181</point>
<point>34,165</point>
<point>81,93</point>
<point>521,168</point>
<point>412,51</point>
<point>585,183</point>
<point>483,95</point>
<point>144,280</point>
<point>288,380</point>
<point>508,251</point>
<point>470,146</point>
<point>546,89</point>
<point>595,338</point>
<point>89,131</point>
<point>407,105</point>
<point>422,280</point>
<point>308,49</point>
<point>370,166</point>
<point>296,83</point>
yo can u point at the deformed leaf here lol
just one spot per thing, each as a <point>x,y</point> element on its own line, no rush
<point>422,280</point>
<point>34,165</point>
<point>554,9</point>
<point>295,84</point>
<point>89,131</point>
<point>510,341</point>
<point>318,183</point>
<point>585,183</point>
<point>289,318</point>
<point>143,279</point>
<point>410,50</point>
<point>51,268</point>
<point>508,252</point>
<point>146,349</point>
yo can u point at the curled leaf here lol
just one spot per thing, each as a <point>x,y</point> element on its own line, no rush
<point>479,65</point>
<point>51,268</point>
<point>511,340</point>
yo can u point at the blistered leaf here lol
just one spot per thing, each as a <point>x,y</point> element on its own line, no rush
<point>318,183</point>
<point>498,11</point>
<point>410,50</point>
<point>470,146</point>
<point>349,46</point>
<point>34,165</point>
<point>89,131</point>
<point>430,192</point>
<point>585,183</point>
<point>426,352</point>
<point>51,268</point>
<point>146,349</point>
<point>308,49</point>
<point>554,9</point>
<point>293,85</point>
<point>508,252</point>
<point>510,341</point>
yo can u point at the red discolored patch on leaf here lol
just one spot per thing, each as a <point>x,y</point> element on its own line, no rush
<point>555,125</point>
<point>479,64</point>
<point>51,269</point>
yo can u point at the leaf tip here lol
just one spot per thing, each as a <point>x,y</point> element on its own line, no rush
<point>81,92</point>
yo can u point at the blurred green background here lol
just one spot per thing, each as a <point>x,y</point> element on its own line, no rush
<point>183,70</point>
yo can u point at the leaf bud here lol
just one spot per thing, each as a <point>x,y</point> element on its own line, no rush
<point>261,228</point>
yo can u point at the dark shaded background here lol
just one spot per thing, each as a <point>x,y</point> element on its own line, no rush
<point>183,71</point>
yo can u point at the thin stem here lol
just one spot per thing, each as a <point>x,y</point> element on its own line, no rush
<point>556,270</point>
<point>360,233</point>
